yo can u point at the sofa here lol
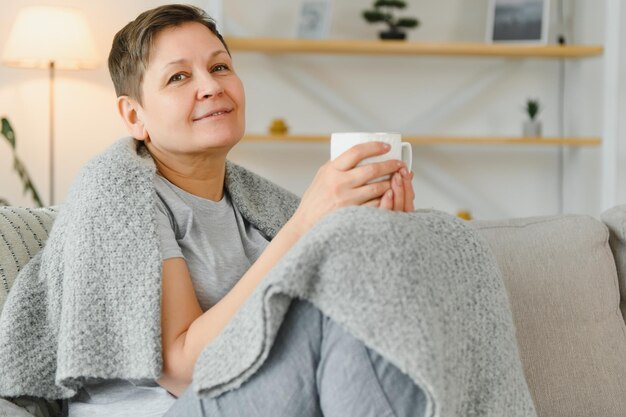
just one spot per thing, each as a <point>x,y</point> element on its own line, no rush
<point>566,280</point>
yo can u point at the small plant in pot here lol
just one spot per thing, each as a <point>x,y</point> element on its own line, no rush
<point>532,126</point>
<point>383,11</point>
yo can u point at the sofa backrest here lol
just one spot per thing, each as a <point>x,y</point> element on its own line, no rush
<point>23,232</point>
<point>615,219</point>
<point>562,284</point>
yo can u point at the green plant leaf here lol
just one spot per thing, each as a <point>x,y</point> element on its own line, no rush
<point>390,3</point>
<point>381,3</point>
<point>7,132</point>
<point>373,16</point>
<point>35,196</point>
<point>532,108</point>
<point>18,166</point>
<point>407,22</point>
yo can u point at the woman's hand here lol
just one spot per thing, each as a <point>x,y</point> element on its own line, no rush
<point>401,195</point>
<point>340,183</point>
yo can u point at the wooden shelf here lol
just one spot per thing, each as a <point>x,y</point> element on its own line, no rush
<point>376,47</point>
<point>444,140</point>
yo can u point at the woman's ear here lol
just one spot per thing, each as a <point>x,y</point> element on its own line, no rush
<point>129,109</point>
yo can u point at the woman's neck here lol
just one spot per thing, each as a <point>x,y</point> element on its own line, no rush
<point>200,177</point>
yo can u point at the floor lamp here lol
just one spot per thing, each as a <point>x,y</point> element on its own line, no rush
<point>53,38</point>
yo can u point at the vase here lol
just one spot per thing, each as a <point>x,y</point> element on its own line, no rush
<point>392,35</point>
<point>531,128</point>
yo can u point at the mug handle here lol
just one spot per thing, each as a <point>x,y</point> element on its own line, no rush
<point>407,155</point>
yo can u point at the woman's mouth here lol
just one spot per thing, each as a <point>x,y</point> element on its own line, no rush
<point>214,113</point>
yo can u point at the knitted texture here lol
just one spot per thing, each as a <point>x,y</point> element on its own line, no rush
<point>420,288</point>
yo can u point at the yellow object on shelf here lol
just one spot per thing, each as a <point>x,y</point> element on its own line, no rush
<point>464,214</point>
<point>278,127</point>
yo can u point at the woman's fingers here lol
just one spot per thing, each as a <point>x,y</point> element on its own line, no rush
<point>372,203</point>
<point>397,185</point>
<point>409,192</point>
<point>350,158</point>
<point>396,194</point>
<point>366,173</point>
<point>370,192</point>
<point>360,175</point>
<point>386,202</point>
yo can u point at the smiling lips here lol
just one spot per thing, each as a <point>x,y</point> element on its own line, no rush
<point>213,113</point>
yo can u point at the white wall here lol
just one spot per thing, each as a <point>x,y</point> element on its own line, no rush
<point>411,94</point>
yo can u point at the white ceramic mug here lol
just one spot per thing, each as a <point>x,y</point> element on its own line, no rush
<point>341,142</point>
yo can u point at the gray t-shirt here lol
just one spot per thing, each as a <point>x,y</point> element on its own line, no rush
<point>219,246</point>
<point>215,240</point>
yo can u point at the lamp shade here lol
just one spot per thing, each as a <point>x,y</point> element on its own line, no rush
<point>43,34</point>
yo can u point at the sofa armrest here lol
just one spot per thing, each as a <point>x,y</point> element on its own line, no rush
<point>23,233</point>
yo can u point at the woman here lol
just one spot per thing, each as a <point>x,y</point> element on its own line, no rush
<point>166,259</point>
<point>179,94</point>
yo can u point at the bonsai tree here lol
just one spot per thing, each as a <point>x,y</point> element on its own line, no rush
<point>8,133</point>
<point>532,126</point>
<point>384,12</point>
<point>532,108</point>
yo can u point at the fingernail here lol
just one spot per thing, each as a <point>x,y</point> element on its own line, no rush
<point>388,194</point>
<point>404,173</point>
<point>386,146</point>
<point>397,179</point>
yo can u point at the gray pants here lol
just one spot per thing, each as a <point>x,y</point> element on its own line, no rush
<point>314,369</point>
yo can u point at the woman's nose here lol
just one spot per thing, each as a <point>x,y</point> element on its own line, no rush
<point>208,86</point>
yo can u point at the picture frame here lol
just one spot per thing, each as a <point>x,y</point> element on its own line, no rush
<point>518,21</point>
<point>314,18</point>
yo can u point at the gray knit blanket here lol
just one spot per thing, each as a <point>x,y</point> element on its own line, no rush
<point>421,289</point>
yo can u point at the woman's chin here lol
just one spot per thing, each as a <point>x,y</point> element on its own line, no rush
<point>226,140</point>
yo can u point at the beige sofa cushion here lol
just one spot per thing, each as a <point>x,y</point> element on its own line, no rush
<point>561,279</point>
<point>23,233</point>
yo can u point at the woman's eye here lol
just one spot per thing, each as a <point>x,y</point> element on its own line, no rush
<point>177,77</point>
<point>220,67</point>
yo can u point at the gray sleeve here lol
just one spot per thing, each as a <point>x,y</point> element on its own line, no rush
<point>165,228</point>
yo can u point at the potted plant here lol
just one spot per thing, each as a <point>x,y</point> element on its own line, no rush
<point>384,12</point>
<point>7,132</point>
<point>532,126</point>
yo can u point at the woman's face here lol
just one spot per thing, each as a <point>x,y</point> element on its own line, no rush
<point>193,101</point>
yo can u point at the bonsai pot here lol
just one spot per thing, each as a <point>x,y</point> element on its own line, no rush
<point>393,35</point>
<point>532,128</point>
